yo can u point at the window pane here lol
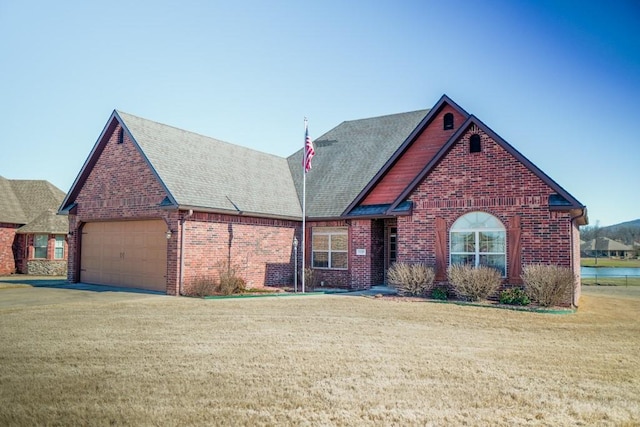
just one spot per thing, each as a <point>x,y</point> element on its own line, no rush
<point>59,253</point>
<point>494,261</point>
<point>463,242</point>
<point>321,259</point>
<point>491,241</point>
<point>320,242</point>
<point>477,220</point>
<point>339,242</point>
<point>40,253</point>
<point>463,259</point>
<point>40,245</point>
<point>338,260</point>
<point>40,240</point>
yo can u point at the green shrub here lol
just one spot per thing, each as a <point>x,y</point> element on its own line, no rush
<point>514,296</point>
<point>440,293</point>
<point>411,279</point>
<point>548,285</point>
<point>473,283</point>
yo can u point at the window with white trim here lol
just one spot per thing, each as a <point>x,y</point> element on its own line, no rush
<point>478,238</point>
<point>58,252</point>
<point>330,247</point>
<point>40,245</point>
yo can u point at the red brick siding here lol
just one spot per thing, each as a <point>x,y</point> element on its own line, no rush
<point>360,235</point>
<point>7,238</point>
<point>260,249</point>
<point>414,159</point>
<point>492,181</point>
<point>121,186</point>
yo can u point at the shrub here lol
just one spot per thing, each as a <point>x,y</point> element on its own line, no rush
<point>202,287</point>
<point>440,293</point>
<point>548,285</point>
<point>474,283</point>
<point>514,296</point>
<point>230,282</point>
<point>411,279</point>
<point>310,279</point>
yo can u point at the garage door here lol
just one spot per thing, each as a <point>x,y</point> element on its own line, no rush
<point>125,253</point>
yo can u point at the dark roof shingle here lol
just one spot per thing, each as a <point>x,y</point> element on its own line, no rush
<point>22,201</point>
<point>347,158</point>
<point>200,171</point>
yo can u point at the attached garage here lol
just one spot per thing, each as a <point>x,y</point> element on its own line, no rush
<point>125,253</point>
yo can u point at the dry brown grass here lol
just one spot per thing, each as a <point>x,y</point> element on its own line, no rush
<point>318,360</point>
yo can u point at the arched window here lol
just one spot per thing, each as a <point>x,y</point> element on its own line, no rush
<point>448,121</point>
<point>474,143</point>
<point>478,238</point>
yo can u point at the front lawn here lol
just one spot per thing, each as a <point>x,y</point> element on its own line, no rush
<point>609,262</point>
<point>318,360</point>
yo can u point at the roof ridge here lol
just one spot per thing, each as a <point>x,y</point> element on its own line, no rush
<point>121,113</point>
<point>385,115</point>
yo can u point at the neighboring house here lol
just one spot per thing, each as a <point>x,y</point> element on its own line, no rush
<point>159,207</point>
<point>33,238</point>
<point>606,248</point>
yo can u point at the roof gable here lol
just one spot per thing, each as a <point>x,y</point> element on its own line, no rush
<point>347,158</point>
<point>199,172</point>
<point>565,200</point>
<point>48,222</point>
<point>407,161</point>
<point>21,201</point>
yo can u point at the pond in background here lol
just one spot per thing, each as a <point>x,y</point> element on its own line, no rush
<point>609,271</point>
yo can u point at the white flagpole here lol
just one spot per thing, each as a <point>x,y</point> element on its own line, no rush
<point>304,199</point>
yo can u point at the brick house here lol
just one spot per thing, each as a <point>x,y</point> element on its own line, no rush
<point>158,207</point>
<point>33,238</point>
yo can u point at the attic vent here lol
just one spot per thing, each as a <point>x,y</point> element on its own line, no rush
<point>474,143</point>
<point>120,136</point>
<point>448,121</point>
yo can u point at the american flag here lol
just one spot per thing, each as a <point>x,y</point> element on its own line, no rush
<point>309,152</point>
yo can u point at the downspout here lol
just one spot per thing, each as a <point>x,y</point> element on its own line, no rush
<point>573,259</point>
<point>182,221</point>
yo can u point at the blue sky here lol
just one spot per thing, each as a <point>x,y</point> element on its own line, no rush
<point>559,80</point>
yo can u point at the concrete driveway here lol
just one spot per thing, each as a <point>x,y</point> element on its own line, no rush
<point>28,291</point>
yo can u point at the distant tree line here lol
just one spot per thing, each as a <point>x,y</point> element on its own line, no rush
<point>627,234</point>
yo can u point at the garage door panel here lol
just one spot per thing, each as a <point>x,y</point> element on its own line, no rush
<point>125,253</point>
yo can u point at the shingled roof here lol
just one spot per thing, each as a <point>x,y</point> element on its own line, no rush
<point>22,201</point>
<point>203,173</point>
<point>347,158</point>
<point>48,222</point>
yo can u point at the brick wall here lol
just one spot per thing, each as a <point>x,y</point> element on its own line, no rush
<point>259,249</point>
<point>121,186</point>
<point>491,181</point>
<point>361,266</point>
<point>7,237</point>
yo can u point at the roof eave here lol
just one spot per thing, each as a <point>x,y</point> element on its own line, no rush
<point>233,212</point>
<point>573,202</point>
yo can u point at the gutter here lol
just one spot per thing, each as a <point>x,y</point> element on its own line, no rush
<point>582,214</point>
<point>181,279</point>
